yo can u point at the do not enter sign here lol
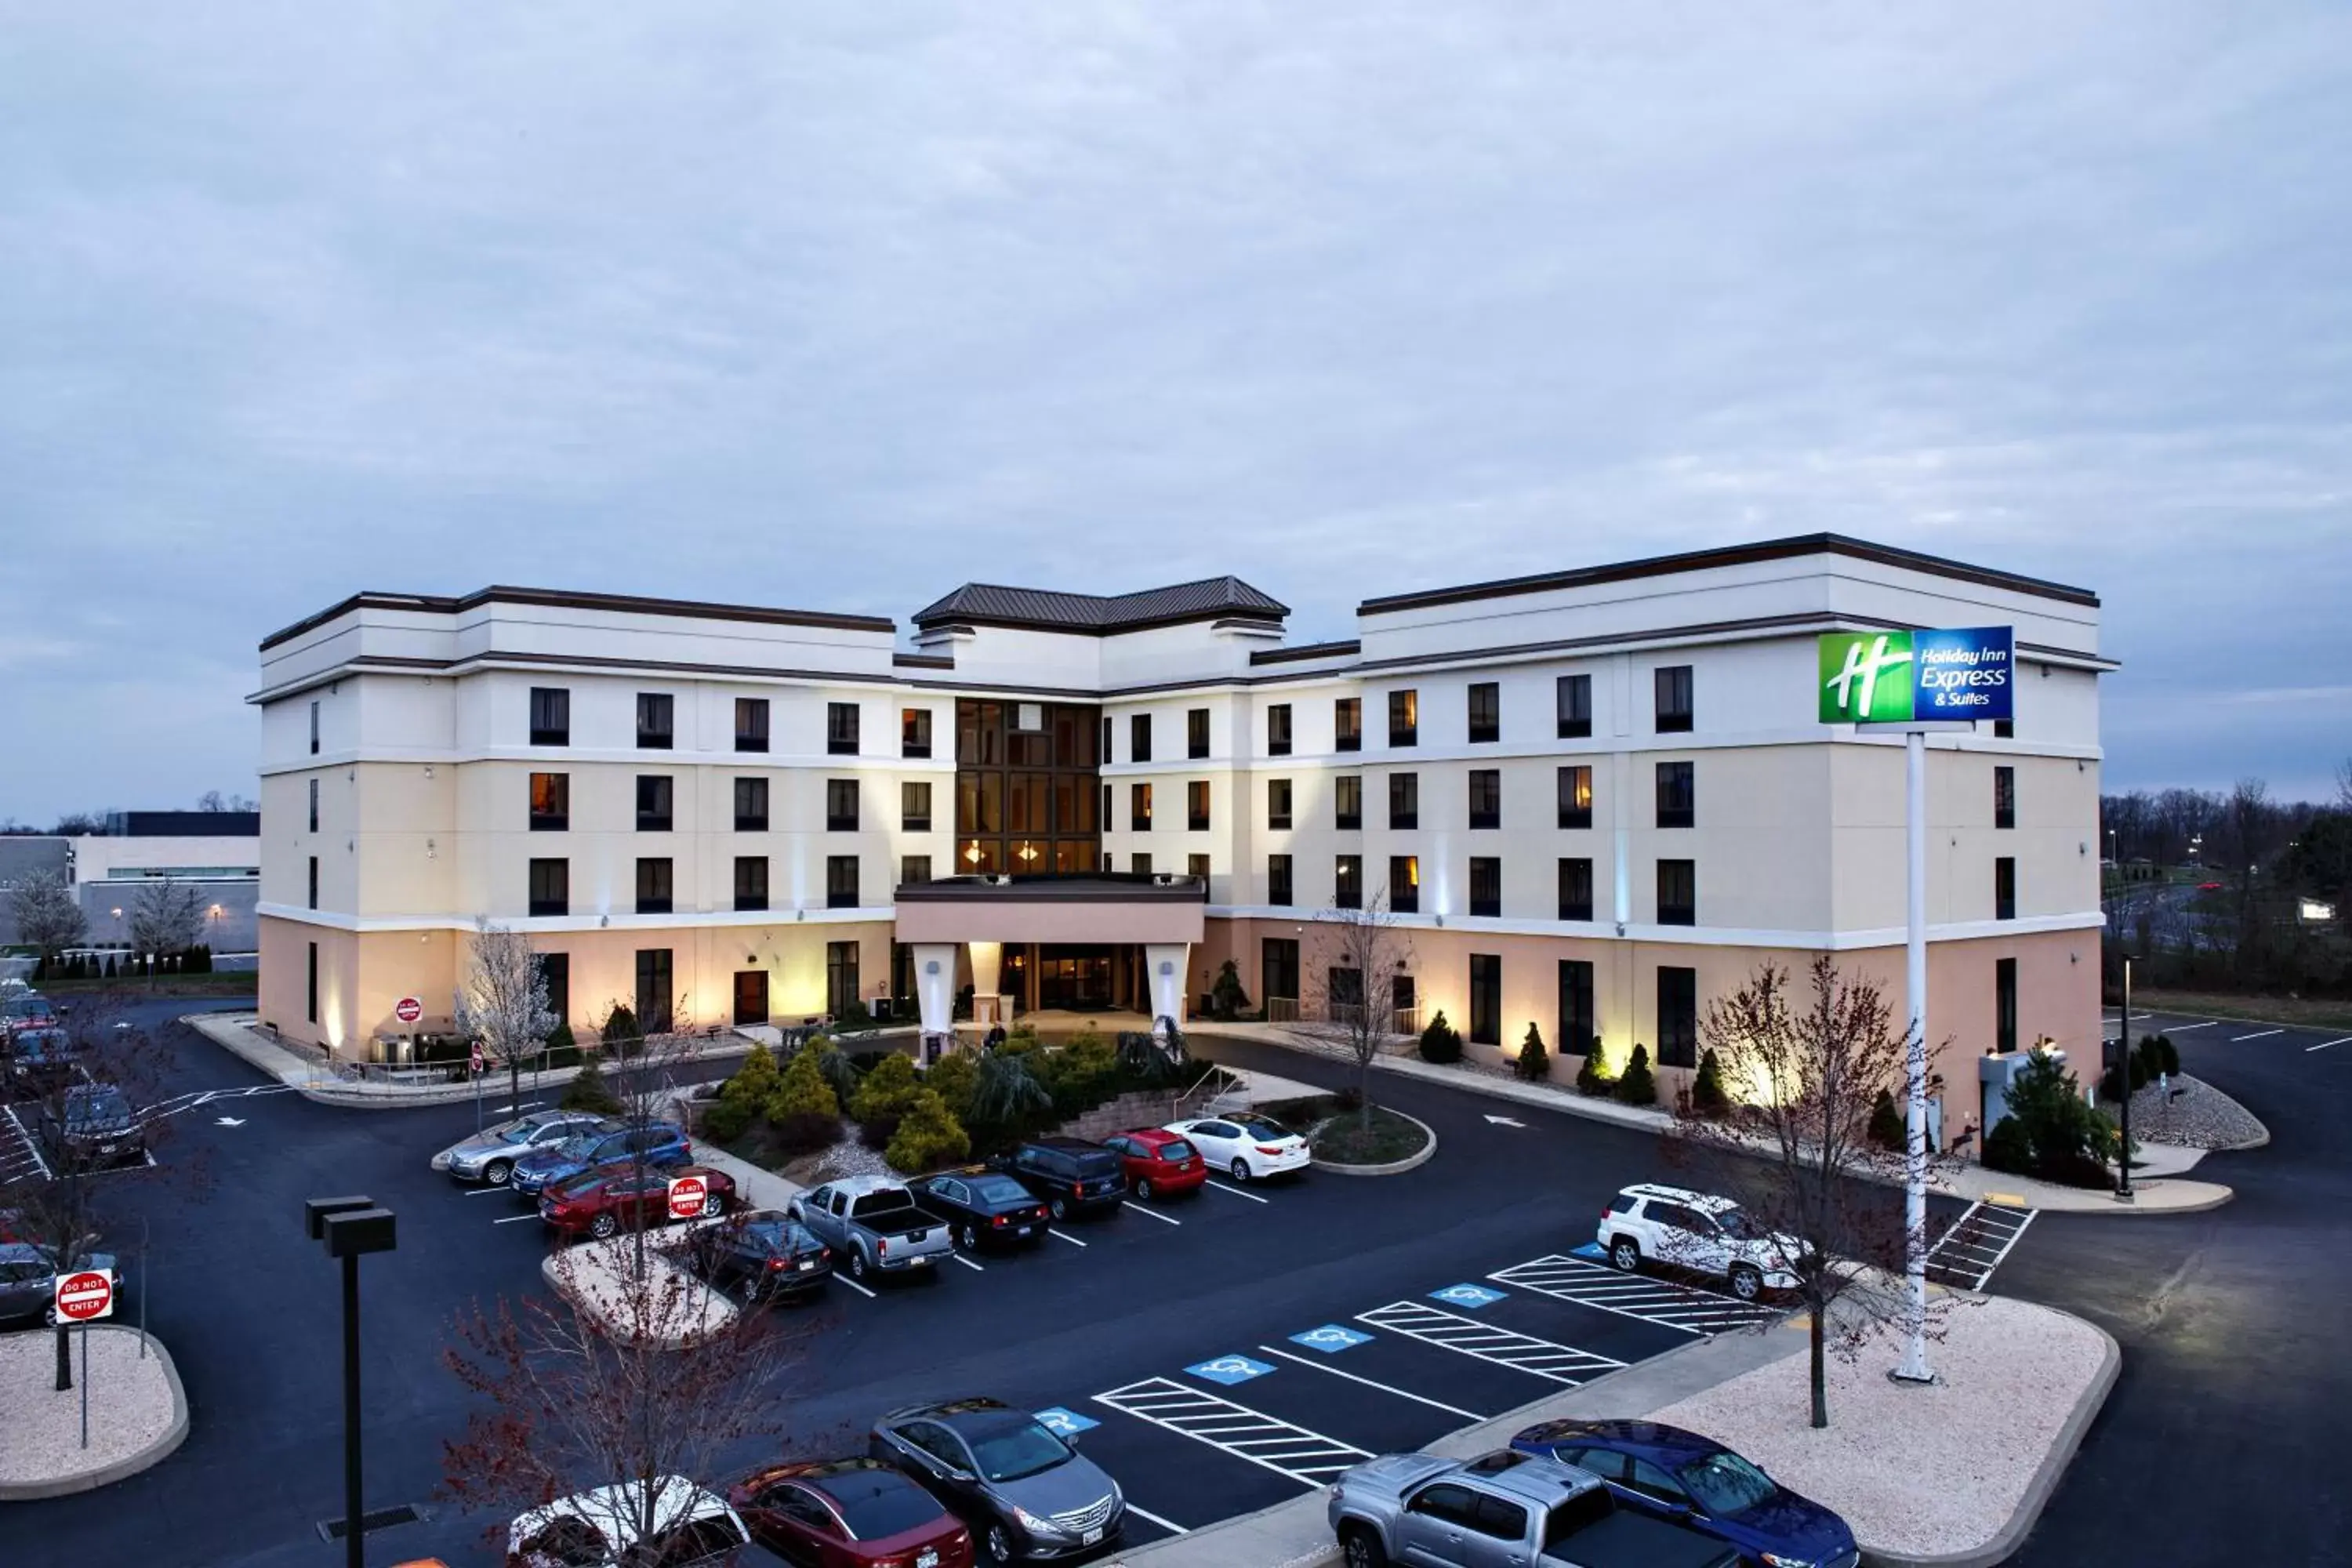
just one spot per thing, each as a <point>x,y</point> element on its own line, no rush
<point>687,1196</point>
<point>84,1296</point>
<point>408,1009</point>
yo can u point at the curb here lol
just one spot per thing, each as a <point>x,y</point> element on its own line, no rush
<point>588,1308</point>
<point>153,1454</point>
<point>1394,1167</point>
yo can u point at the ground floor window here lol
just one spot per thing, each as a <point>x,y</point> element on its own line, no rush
<point>555,968</point>
<point>2004,1003</point>
<point>840,976</point>
<point>655,994</point>
<point>1280,963</point>
<point>311,1008</point>
<point>1486,998</point>
<point>1576,1023</point>
<point>1677,1017</point>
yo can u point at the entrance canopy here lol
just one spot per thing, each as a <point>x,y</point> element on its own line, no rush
<point>1104,908</point>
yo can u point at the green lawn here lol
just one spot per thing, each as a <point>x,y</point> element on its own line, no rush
<point>2310,1013</point>
<point>136,989</point>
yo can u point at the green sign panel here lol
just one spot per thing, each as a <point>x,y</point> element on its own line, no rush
<point>1900,678</point>
<point>1865,677</point>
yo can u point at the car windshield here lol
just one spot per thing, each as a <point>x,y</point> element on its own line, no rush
<point>773,1234</point>
<point>521,1131</point>
<point>1261,1127</point>
<point>876,1504</point>
<point>578,1147</point>
<point>999,1190</point>
<point>586,1185</point>
<point>1725,1486</point>
<point>1176,1149</point>
<point>1015,1449</point>
<point>98,1105</point>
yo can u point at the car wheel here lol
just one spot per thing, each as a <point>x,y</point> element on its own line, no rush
<point>1000,1545</point>
<point>1061,1210</point>
<point>857,1263</point>
<point>1361,1548</point>
<point>1746,1282</point>
<point>49,1316</point>
<point>1143,1189</point>
<point>968,1236</point>
<point>713,1205</point>
<point>1241,1169</point>
<point>602,1227</point>
<point>499,1173</point>
<point>1625,1253</point>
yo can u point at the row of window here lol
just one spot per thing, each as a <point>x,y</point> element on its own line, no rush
<point>550,883</point>
<point>550,804</point>
<point>1677,885</point>
<point>551,723</point>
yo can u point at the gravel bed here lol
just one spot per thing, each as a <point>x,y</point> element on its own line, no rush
<point>2201,1117</point>
<point>40,1429</point>
<point>1915,1470</point>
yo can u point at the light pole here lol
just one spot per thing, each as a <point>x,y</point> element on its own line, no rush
<point>350,1227</point>
<point>2123,1072</point>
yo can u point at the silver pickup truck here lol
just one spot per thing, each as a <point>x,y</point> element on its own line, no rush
<point>873,1223</point>
<point>1504,1510</point>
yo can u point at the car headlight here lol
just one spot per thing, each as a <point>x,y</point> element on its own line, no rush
<point>1776,1560</point>
<point>1034,1525</point>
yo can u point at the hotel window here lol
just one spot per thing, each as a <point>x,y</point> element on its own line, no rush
<point>655,887</point>
<point>914,806</point>
<point>314,882</point>
<point>2004,1005</point>
<point>655,997</point>
<point>1279,969</point>
<point>1485,797</point>
<point>1674,689</point>
<point>550,802</point>
<point>1405,717</point>
<point>1105,746</point>
<point>1486,886</point>
<point>550,716</point>
<point>551,887</point>
<point>1197,865</point>
<point>310,970</point>
<point>2004,797</point>
<point>1575,890</point>
<point>1573,696</point>
<point>2002,729</point>
<point>914,869</point>
<point>1404,800</point>
<point>1576,797</point>
<point>657,721</point>
<point>841,881</point>
<point>750,805</point>
<point>1138,865</point>
<point>1277,880</point>
<point>1277,729</point>
<point>1677,1017</point>
<point>314,752</point>
<point>750,882</point>
<point>1486,711</point>
<point>314,805</point>
<point>1139,807</point>
<point>2004,887</point>
<point>1196,732</point>
<point>841,729</point>
<point>841,805</point>
<point>750,724</point>
<point>1196,806</point>
<point>1348,724</point>
<point>1404,884</point>
<point>914,731</point>
<point>1485,999</point>
<point>1576,1020</point>
<point>555,968</point>
<point>1678,892</point>
<point>1278,803</point>
<point>1678,795</point>
<point>840,976</point>
<point>654,803</point>
<point>1139,738</point>
<point>1348,801</point>
<point>1348,882</point>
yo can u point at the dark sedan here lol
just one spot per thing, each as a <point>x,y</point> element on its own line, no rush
<point>849,1513</point>
<point>981,1207</point>
<point>94,1127</point>
<point>655,1143</point>
<point>41,1061</point>
<point>769,1255</point>
<point>1698,1483</point>
<point>1026,1492</point>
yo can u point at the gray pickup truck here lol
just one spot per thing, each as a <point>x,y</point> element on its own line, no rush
<point>873,1223</point>
<point>1503,1510</point>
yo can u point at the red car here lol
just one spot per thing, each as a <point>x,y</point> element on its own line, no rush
<point>604,1201</point>
<point>1159,1162</point>
<point>2208,886</point>
<point>849,1513</point>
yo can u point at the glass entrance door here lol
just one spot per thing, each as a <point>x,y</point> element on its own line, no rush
<point>1074,977</point>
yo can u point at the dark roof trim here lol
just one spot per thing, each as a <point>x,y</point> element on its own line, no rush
<point>1098,614</point>
<point>1307,650</point>
<point>1733,555</point>
<point>434,603</point>
<point>923,660</point>
<point>384,664</point>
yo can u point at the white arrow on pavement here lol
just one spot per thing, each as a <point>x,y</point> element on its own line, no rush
<point>1504,1122</point>
<point>231,1122</point>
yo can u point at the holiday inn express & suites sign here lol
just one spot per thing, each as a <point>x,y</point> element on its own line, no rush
<point>1897,677</point>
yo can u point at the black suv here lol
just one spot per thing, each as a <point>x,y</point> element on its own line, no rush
<point>1071,1175</point>
<point>95,1126</point>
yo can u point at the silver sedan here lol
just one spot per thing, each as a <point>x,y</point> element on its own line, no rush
<point>490,1155</point>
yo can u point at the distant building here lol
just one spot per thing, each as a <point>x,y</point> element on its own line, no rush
<point>219,852</point>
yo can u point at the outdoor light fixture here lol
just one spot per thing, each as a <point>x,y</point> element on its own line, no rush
<point>351,1227</point>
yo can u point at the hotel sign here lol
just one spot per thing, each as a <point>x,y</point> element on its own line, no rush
<point>1900,678</point>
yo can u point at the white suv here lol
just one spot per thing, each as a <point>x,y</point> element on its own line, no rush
<point>1691,1230</point>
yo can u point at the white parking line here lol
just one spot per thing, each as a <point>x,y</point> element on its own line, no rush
<point>1307,1457</point>
<point>1150,1517</point>
<point>1985,1232</point>
<point>967,1262</point>
<point>1368,1382</point>
<point>2184,1028</point>
<point>514,1219</point>
<point>2347,1040</point>
<point>31,1148</point>
<point>840,1279</point>
<point>2257,1035</point>
<point>1238,1192</point>
<point>486,1191</point>
<point>1646,1296</point>
<point>1504,1347</point>
<point>1073,1240</point>
<point>1139,1208</point>
<point>514,1109</point>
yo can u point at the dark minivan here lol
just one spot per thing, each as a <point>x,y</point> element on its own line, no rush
<point>1072,1175</point>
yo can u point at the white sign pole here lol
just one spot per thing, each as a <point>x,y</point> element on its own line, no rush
<point>1915,1368</point>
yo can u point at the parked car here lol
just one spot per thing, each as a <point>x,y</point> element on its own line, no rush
<point>41,1061</point>
<point>600,1528</point>
<point>91,1127</point>
<point>490,1155</point>
<point>1023,1492</point>
<point>1692,1230</point>
<point>608,1199</point>
<point>654,1143</point>
<point>1071,1175</point>
<point>28,1272</point>
<point>874,1223</point>
<point>1157,1163</point>
<point>768,1254</point>
<point>24,1010</point>
<point>1250,1146</point>
<point>1503,1510</point>
<point>981,1206</point>
<point>1672,1474</point>
<point>849,1513</point>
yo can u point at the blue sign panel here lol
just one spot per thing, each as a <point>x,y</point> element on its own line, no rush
<point>1965,674</point>
<point>1229,1370</point>
<point>1064,1422</point>
<point>1331,1338</point>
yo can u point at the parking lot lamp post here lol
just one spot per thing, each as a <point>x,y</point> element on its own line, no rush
<point>350,1227</point>
<point>2122,1070</point>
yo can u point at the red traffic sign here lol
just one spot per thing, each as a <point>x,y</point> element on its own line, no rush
<point>408,1009</point>
<point>476,1056</point>
<point>83,1296</point>
<point>687,1196</point>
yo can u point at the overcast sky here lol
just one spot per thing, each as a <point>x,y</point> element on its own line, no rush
<point>839,305</point>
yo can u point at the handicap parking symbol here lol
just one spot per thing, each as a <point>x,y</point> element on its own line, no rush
<point>1331,1338</point>
<point>1590,1251</point>
<point>1466,1295</point>
<point>1064,1422</point>
<point>1230,1370</point>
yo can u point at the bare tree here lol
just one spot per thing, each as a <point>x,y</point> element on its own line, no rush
<point>81,824</point>
<point>2344,784</point>
<point>48,914</point>
<point>1798,1157</point>
<point>1357,958</point>
<point>165,917</point>
<point>213,800</point>
<point>503,999</point>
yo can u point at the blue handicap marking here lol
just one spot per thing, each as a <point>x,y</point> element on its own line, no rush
<point>1064,1422</point>
<point>1331,1338</point>
<point>1230,1370</point>
<point>1590,1251</point>
<point>1466,1295</point>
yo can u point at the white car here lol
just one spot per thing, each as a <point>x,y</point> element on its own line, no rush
<point>1705,1235</point>
<point>1252,1147</point>
<point>600,1528</point>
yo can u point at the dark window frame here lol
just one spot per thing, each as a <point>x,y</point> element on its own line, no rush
<point>1196,806</point>
<point>915,732</point>
<point>560,788</point>
<point>1404,716</point>
<point>1487,726</point>
<point>1279,799</point>
<point>1677,1016</point>
<point>314,805</point>
<point>1346,724</point>
<point>2004,887</point>
<point>1486,887</point>
<point>750,897</point>
<point>1404,884</point>
<point>1677,877</point>
<point>1277,729</point>
<point>914,869</point>
<point>1280,891</point>
<point>549,892</point>
<point>1485,1007</point>
<point>1196,733</point>
<point>2004,1006</point>
<point>656,988</point>
<point>1404,802</point>
<point>1572,705</point>
<point>841,805</point>
<point>314,882</point>
<point>912,819</point>
<point>1139,807</point>
<point>1348,882</point>
<point>1342,786</point>
<point>657,885</point>
<point>1139,737</point>
<point>841,891</point>
<point>1571,775</point>
<point>661,789</point>
<point>2004,797</point>
<point>550,716</point>
<point>1485,798</point>
<point>1575,879</point>
<point>1578,1020</point>
<point>750,724</point>
<point>752,804</point>
<point>842,729</point>
<point>1673,690</point>
<point>657,721</point>
<point>1677,798</point>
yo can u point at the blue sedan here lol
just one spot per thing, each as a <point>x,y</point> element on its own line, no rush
<point>1695,1481</point>
<point>657,1143</point>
